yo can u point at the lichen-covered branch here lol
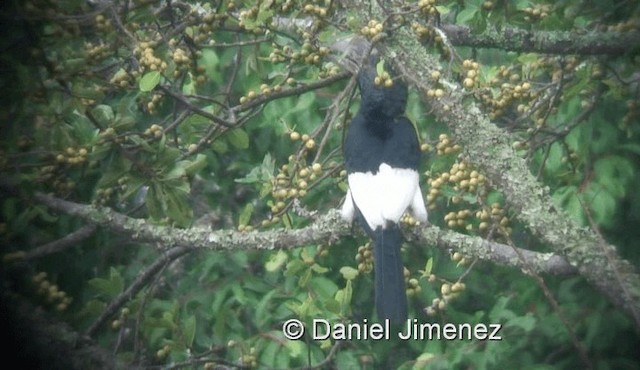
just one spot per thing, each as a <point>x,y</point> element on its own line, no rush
<point>500,254</point>
<point>325,229</point>
<point>545,42</point>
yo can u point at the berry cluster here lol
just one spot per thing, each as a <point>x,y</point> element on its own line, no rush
<point>52,294</point>
<point>428,7</point>
<point>448,292</point>
<point>536,12</point>
<point>472,69</point>
<point>364,258</point>
<point>103,24</point>
<point>512,91</point>
<point>372,29</point>
<point>145,52</point>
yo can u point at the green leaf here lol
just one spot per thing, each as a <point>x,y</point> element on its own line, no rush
<point>149,81</point>
<point>380,67</point>
<point>92,309</point>
<point>176,172</point>
<point>293,267</point>
<point>196,165</point>
<point>319,269</point>
<point>239,294</point>
<point>103,114</point>
<point>262,173</point>
<point>189,86</point>
<point>245,215</point>
<point>602,204</point>
<point>333,305</point>
<point>323,287</point>
<point>499,312</point>
<point>264,310</point>
<point>103,286</point>
<point>614,173</point>
<point>238,138</point>
<point>219,146</point>
<point>631,147</point>
<point>109,287</point>
<point>428,267</point>
<point>265,14</point>
<point>169,200</point>
<point>177,205</point>
<point>423,361</point>
<point>567,198</point>
<point>189,330</point>
<point>443,9</point>
<point>304,280</point>
<point>526,322</point>
<point>466,15</point>
<point>286,221</point>
<point>295,347</point>
<point>276,261</point>
<point>116,278</point>
<point>348,272</point>
<point>210,61</point>
<point>348,360</point>
<point>344,296</point>
<point>271,351</point>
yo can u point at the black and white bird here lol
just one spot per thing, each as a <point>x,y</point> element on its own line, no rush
<point>382,156</point>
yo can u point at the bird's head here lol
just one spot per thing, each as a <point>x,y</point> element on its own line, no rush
<point>386,99</point>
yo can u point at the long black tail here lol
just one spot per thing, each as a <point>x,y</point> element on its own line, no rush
<point>391,297</point>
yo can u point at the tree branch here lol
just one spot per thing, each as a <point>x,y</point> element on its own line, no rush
<point>133,289</point>
<point>327,228</point>
<point>61,244</point>
<point>546,42</point>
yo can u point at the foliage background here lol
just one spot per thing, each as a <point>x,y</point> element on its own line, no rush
<point>225,115</point>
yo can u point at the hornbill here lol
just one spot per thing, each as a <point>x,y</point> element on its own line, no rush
<point>382,156</point>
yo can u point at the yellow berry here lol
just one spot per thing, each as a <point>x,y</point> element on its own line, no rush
<point>468,83</point>
<point>116,324</point>
<point>310,144</point>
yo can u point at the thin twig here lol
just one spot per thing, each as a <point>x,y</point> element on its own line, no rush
<point>133,289</point>
<point>71,240</point>
<point>582,352</point>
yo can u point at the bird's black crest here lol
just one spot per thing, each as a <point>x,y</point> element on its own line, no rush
<point>378,99</point>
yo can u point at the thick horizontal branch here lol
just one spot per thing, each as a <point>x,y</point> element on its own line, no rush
<point>325,229</point>
<point>546,42</point>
